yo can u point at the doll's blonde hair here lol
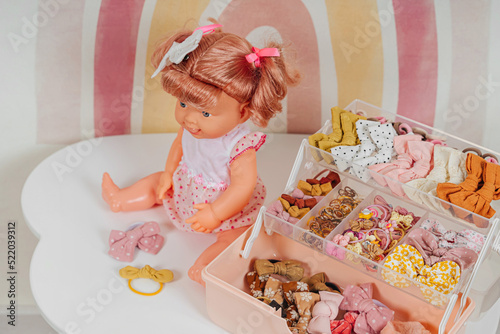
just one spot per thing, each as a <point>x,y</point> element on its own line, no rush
<point>218,64</point>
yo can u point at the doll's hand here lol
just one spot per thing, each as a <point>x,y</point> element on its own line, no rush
<point>164,185</point>
<point>204,220</point>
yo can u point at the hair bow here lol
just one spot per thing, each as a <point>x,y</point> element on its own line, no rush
<point>304,301</point>
<point>344,326</point>
<point>467,195</point>
<point>160,276</point>
<point>178,51</point>
<point>406,261</point>
<point>427,245</point>
<point>323,312</point>
<point>292,269</point>
<point>372,317</point>
<point>146,237</point>
<point>256,283</point>
<point>361,224</point>
<point>257,54</point>
<point>317,282</point>
<point>451,239</point>
<point>274,290</point>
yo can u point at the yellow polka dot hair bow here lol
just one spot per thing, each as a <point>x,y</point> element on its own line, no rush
<point>408,262</point>
<point>160,276</point>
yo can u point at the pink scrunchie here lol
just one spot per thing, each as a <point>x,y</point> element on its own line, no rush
<point>413,162</point>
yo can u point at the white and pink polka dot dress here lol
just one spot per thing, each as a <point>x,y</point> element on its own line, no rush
<point>203,175</point>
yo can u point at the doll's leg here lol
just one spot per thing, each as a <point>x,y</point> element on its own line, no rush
<point>139,196</point>
<point>224,238</point>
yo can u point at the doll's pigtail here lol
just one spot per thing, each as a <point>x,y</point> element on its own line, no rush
<point>274,75</point>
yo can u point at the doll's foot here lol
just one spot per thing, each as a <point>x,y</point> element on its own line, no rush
<point>109,192</point>
<point>194,273</point>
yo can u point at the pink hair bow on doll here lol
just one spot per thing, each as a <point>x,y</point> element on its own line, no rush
<point>257,54</point>
<point>122,244</point>
<point>324,311</point>
<point>372,317</point>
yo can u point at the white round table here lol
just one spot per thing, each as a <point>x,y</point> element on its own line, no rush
<point>75,282</point>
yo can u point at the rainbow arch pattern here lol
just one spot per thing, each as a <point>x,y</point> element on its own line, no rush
<point>413,57</point>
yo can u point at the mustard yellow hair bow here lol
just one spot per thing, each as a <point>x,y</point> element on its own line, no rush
<point>160,276</point>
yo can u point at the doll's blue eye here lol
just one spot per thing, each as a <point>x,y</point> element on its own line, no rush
<point>205,114</point>
<point>183,105</point>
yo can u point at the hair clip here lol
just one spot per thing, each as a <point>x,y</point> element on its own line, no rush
<point>427,136</point>
<point>489,157</point>
<point>402,128</point>
<point>179,51</point>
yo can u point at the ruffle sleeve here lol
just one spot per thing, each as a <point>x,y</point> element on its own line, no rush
<point>253,140</point>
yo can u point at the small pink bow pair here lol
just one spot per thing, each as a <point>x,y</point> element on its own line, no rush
<point>122,244</point>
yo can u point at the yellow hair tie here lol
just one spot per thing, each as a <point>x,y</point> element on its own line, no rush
<point>160,276</point>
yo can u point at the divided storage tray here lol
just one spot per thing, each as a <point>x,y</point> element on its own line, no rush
<point>232,307</point>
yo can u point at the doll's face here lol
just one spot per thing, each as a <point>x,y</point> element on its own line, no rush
<point>214,122</point>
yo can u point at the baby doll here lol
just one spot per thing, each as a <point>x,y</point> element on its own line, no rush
<point>210,182</point>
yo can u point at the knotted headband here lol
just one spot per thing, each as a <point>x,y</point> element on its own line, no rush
<point>372,318</point>
<point>160,276</point>
<point>324,311</point>
<point>145,237</point>
<point>291,269</point>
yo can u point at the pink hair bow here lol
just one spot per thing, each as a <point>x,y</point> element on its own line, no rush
<point>340,240</point>
<point>372,317</point>
<point>427,245</point>
<point>146,237</point>
<point>452,239</point>
<point>324,311</point>
<point>257,53</point>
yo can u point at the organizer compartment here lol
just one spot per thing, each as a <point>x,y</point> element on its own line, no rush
<point>366,175</point>
<point>231,306</point>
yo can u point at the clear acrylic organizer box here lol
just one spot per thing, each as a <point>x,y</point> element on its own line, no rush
<point>311,161</point>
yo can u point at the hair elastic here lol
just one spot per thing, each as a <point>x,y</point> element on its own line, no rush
<point>160,276</point>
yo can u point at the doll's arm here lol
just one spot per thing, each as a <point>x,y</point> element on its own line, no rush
<point>173,160</point>
<point>233,200</point>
